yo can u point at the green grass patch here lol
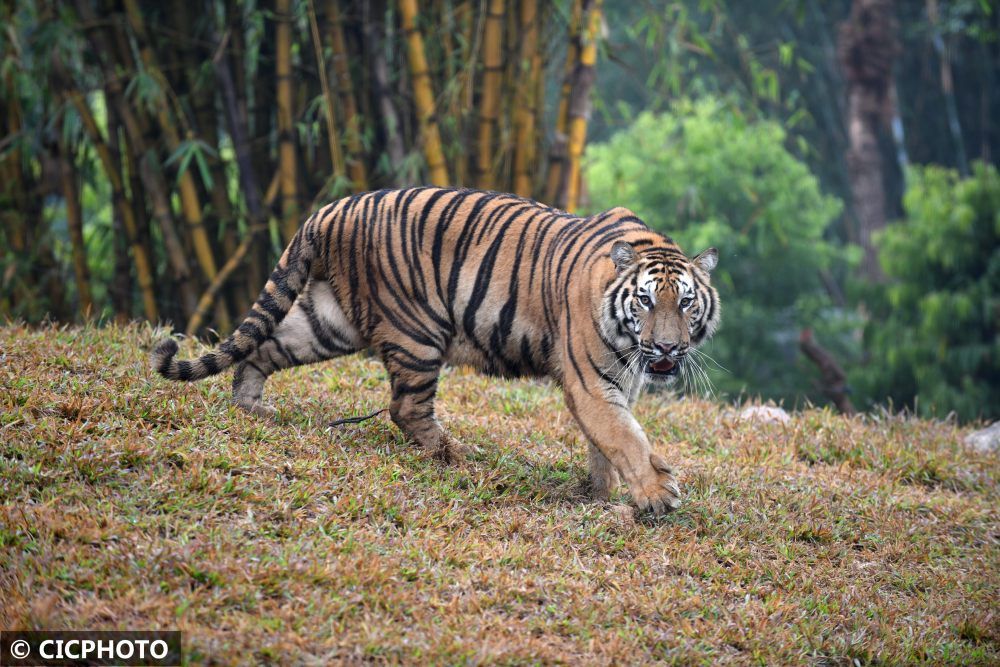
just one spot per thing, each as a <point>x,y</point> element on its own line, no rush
<point>130,502</point>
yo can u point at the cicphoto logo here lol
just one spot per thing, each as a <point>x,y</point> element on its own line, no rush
<point>46,648</point>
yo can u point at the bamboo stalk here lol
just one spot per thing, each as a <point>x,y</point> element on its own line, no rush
<point>336,156</point>
<point>74,222</point>
<point>423,95</point>
<point>375,36</point>
<point>147,163</point>
<point>461,101</point>
<point>120,289</point>
<point>143,267</point>
<point>528,69</point>
<point>557,151</point>
<point>538,76</point>
<point>579,107</point>
<point>244,158</point>
<point>345,88</point>
<point>191,207</point>
<point>490,100</point>
<point>286,131</point>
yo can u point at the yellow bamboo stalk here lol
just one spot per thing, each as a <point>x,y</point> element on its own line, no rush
<point>579,107</point>
<point>423,96</point>
<point>557,152</point>
<point>345,87</point>
<point>143,267</point>
<point>286,140</point>
<point>528,68</point>
<point>490,100</point>
<point>191,207</point>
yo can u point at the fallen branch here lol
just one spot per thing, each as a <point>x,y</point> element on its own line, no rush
<point>208,298</point>
<point>834,380</point>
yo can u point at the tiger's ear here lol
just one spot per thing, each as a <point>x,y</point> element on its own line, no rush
<point>707,260</point>
<point>623,255</point>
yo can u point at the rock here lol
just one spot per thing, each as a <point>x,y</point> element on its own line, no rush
<point>985,440</point>
<point>767,414</point>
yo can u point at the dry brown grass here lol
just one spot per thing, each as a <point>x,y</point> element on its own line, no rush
<point>129,502</point>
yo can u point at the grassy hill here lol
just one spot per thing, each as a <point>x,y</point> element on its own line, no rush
<point>129,502</point>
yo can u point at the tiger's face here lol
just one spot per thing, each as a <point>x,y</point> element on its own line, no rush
<point>662,304</point>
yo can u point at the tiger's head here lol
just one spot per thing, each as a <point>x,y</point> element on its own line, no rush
<point>660,306</point>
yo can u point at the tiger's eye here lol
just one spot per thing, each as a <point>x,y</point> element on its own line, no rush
<point>645,301</point>
<point>686,301</point>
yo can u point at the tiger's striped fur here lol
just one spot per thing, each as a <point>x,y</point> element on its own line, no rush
<point>425,276</point>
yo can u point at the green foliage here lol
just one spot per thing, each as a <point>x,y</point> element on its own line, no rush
<point>708,177</point>
<point>933,335</point>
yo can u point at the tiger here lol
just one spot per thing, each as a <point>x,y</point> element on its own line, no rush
<point>427,276</point>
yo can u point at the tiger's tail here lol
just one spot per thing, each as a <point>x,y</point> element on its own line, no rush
<point>274,302</point>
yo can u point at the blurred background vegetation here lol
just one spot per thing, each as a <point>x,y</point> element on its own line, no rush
<point>155,156</point>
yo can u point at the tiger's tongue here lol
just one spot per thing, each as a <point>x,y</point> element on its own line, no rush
<point>663,366</point>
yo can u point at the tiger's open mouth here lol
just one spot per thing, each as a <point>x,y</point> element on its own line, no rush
<point>665,366</point>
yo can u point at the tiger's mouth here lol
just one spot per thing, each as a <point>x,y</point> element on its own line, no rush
<point>665,366</point>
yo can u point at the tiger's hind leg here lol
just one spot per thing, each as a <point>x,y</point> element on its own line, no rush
<point>604,478</point>
<point>413,374</point>
<point>314,330</point>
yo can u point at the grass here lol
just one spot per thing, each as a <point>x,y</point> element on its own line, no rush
<point>127,502</point>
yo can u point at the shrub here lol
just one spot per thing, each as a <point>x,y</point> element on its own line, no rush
<point>933,337</point>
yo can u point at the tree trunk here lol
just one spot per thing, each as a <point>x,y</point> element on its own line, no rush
<point>423,96</point>
<point>948,87</point>
<point>489,107</point>
<point>867,47</point>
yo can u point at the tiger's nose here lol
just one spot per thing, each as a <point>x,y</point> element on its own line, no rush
<point>671,349</point>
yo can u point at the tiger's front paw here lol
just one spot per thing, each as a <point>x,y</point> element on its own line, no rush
<point>658,491</point>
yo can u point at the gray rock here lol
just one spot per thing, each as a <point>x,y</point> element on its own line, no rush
<point>985,440</point>
<point>767,414</point>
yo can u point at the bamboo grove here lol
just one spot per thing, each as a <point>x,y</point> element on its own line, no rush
<point>156,156</point>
